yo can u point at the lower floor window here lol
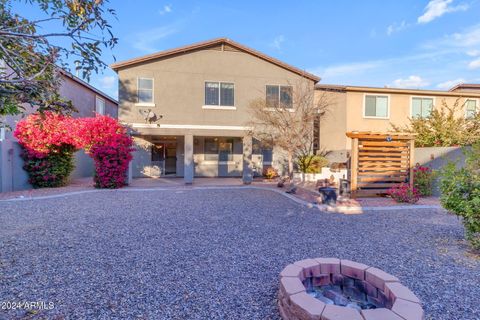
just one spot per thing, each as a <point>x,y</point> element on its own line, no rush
<point>218,149</point>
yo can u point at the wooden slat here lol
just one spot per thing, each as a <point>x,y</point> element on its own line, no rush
<point>371,191</point>
<point>397,149</point>
<point>383,144</point>
<point>384,173</point>
<point>364,158</point>
<point>363,185</point>
<point>381,179</point>
<point>389,154</point>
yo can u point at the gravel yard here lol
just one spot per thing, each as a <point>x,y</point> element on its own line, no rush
<point>213,254</point>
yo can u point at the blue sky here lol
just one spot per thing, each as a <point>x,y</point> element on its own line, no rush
<point>410,43</point>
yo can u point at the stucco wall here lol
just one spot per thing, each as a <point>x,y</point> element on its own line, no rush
<point>179,86</point>
<point>437,157</point>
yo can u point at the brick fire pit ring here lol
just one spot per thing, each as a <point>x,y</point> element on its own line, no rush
<point>303,283</point>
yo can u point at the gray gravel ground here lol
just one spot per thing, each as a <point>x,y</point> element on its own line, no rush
<point>213,254</point>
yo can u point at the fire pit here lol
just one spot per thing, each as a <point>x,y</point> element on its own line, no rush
<point>334,289</point>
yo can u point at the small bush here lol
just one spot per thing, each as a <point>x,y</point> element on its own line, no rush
<point>49,170</point>
<point>404,194</point>
<point>312,163</point>
<point>270,173</point>
<point>423,180</point>
<point>460,193</point>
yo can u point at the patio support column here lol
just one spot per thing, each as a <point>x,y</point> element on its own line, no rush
<point>188,159</point>
<point>247,174</point>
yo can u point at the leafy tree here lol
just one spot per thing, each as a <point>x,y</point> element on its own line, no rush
<point>445,127</point>
<point>32,58</point>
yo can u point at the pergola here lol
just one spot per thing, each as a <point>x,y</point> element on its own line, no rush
<point>379,161</point>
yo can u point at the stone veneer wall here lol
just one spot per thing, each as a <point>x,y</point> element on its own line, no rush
<point>295,304</point>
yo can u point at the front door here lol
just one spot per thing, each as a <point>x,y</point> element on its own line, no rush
<point>170,158</point>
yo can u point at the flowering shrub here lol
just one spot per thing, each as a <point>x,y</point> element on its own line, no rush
<point>48,148</point>
<point>423,179</point>
<point>404,193</point>
<point>44,132</point>
<point>112,157</point>
<point>51,169</point>
<point>50,140</point>
<point>270,173</point>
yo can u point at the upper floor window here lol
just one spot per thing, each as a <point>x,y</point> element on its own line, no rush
<point>279,96</point>
<point>421,107</point>
<point>219,94</point>
<point>145,90</point>
<point>99,105</point>
<point>376,106</point>
<point>470,108</point>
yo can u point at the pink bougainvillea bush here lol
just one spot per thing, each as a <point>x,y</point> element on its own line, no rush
<point>112,157</point>
<point>404,193</point>
<point>50,140</point>
<point>48,148</point>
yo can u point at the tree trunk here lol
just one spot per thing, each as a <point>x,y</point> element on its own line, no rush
<point>290,164</point>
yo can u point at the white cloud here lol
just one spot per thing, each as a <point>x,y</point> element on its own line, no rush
<point>166,9</point>
<point>146,41</point>
<point>396,27</point>
<point>437,8</point>
<point>450,83</point>
<point>410,82</point>
<point>277,42</point>
<point>475,64</point>
<point>473,53</point>
<point>107,82</point>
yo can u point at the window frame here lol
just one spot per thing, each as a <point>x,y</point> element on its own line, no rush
<point>218,106</point>
<point>421,97</point>
<point>145,104</point>
<point>477,108</point>
<point>376,95</point>
<point>217,157</point>
<point>98,98</point>
<point>292,108</point>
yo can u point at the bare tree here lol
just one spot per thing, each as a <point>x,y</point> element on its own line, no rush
<point>288,122</point>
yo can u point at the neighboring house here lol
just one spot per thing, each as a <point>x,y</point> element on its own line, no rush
<point>375,109</point>
<point>188,108</point>
<point>86,99</point>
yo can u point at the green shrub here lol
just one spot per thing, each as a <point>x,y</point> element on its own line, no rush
<point>460,190</point>
<point>49,170</point>
<point>423,180</point>
<point>445,127</point>
<point>311,163</point>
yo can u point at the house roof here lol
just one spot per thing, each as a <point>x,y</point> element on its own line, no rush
<point>474,86</point>
<point>210,43</point>
<point>88,86</point>
<point>330,87</point>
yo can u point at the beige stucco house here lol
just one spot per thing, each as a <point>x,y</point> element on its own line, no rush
<point>376,109</point>
<point>188,108</point>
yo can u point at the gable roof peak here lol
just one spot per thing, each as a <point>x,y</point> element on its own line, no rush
<point>205,44</point>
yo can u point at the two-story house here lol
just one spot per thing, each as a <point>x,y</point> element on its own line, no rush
<point>189,108</point>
